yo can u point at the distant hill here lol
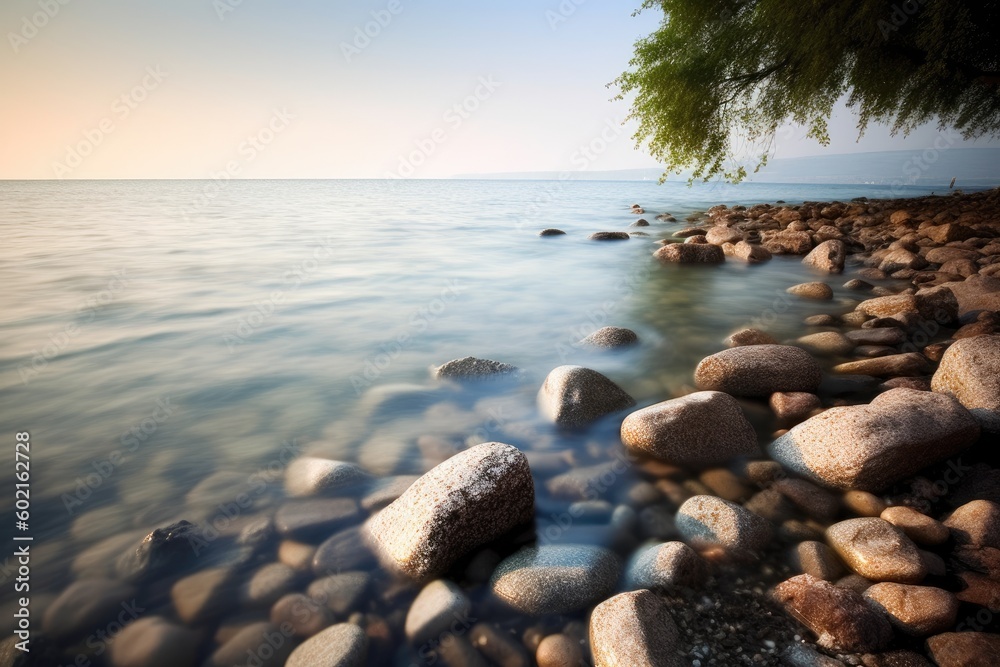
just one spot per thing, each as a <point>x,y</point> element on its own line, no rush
<point>970,166</point>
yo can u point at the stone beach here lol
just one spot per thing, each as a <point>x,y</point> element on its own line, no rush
<point>830,499</point>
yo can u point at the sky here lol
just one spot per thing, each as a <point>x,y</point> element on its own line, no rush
<point>320,89</point>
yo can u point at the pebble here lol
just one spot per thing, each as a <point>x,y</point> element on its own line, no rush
<point>268,584</point>
<point>559,650</point>
<point>701,429</point>
<point>759,370</point>
<point>575,396</point>
<point>827,343</point>
<point>346,550</point>
<point>815,290</point>
<point>724,483</point>
<point>555,579</point>
<point>309,476</point>
<point>343,645</point>
<point>818,503</point>
<point>970,371</point>
<point>305,616</point>
<point>296,555</point>
<point>634,629</point>
<point>708,521</point>
<point>750,337</point>
<point>341,593</point>
<point>153,641</point>
<point>879,336</point>
<point>205,595</point>
<point>551,232</point>
<point>976,523</point>
<point>793,406</point>
<point>817,559</point>
<point>839,617</point>
<point>465,502</point>
<point>609,236</point>
<point>260,644</point>
<point>437,606</point>
<point>964,649</point>
<point>915,610</point>
<point>869,447</point>
<point>611,337</point>
<point>470,369</point>
<point>877,550</point>
<point>498,646</point>
<point>920,528</point>
<point>664,565</point>
<point>318,517</point>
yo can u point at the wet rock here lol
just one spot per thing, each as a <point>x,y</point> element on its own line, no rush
<point>828,256</point>
<point>665,565</point>
<point>609,236</point>
<point>915,610</point>
<point>436,607</point>
<point>85,606</point>
<point>309,476</point>
<point>303,615</point>
<point>634,629</point>
<point>759,370</point>
<point>948,233</point>
<point>346,550</point>
<point>611,337</point>
<point>268,584</point>
<point>858,285</point>
<point>296,555</point>
<point>720,235</point>
<point>920,528</point>
<point>896,260</point>
<point>162,552</point>
<point>581,483</point>
<point>933,305</point>
<point>979,590</point>
<point>559,650</point>
<point>822,320</point>
<point>815,290</point>
<point>964,649</point>
<point>787,242</point>
<point>640,223</point>
<point>557,579</point>
<point>307,519</point>
<point>470,368</point>
<point>498,646</point>
<point>465,502</point>
<point>205,595</point>
<point>839,617</point>
<point>818,560</point>
<point>341,593</point>
<point>691,253</point>
<point>893,365</point>
<point>869,447</point>
<point>708,521</point>
<point>153,642</point>
<point>699,430</point>
<point>827,344</point>
<point>750,253</point>
<point>976,523</point>
<point>343,645</point>
<point>259,644</point>
<point>793,406</point>
<point>551,232</point>
<point>879,336</point>
<point>388,489</point>
<point>877,550</point>
<point>970,371</point>
<point>750,337</point>
<point>574,396</point>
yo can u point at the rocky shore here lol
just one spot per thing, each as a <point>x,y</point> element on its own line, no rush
<point>864,529</point>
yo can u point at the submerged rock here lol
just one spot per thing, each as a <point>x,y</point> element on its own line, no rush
<point>759,370</point>
<point>815,290</point>
<point>634,629</point>
<point>85,606</point>
<point>308,476</point>
<point>609,236</point>
<point>163,552</point>
<point>343,645</point>
<point>828,256</point>
<point>665,565</point>
<point>467,501</point>
<point>437,606</point>
<point>471,368</point>
<point>558,579</point>
<point>869,447</point>
<point>691,253</point>
<point>575,396</point>
<point>611,337</point>
<point>551,232</point>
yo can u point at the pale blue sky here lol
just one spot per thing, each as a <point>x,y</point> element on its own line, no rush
<point>263,88</point>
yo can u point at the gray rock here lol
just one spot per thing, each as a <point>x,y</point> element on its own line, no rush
<point>708,522</point>
<point>634,629</point>
<point>970,371</point>
<point>341,593</point>
<point>665,565</point>
<point>342,645</point>
<point>828,256</point>
<point>869,447</point>
<point>551,232</point>
<point>250,641</point>
<point>436,607</point>
<point>575,396</point>
<point>267,585</point>
<point>465,502</point>
<point>154,642</point>
<point>759,370</point>
<point>84,607</point>
<point>471,368</point>
<point>557,579</point>
<point>699,430</point>
<point>306,519</point>
<point>691,253</point>
<point>611,337</point>
<point>205,595</point>
<point>343,551</point>
<point>309,476</point>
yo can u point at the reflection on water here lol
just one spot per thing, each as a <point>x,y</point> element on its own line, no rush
<point>169,365</point>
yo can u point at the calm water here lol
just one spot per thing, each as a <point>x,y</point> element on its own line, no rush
<point>155,334</point>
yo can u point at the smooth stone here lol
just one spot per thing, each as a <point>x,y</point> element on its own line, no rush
<point>555,579</point>
<point>634,629</point>
<point>305,616</point>
<point>469,500</point>
<point>609,236</point>
<point>869,447</point>
<point>970,371</point>
<point>863,503</point>
<point>976,523</point>
<point>310,476</point>
<point>205,595</point>
<point>793,405</point>
<point>920,528</point>
<point>818,560</point>
<point>268,584</point>
<point>915,610</point>
<point>499,647</point>
<point>436,607</point>
<point>691,253</point>
<point>551,232</point>
<point>663,566</point>
<point>699,430</point>
<point>839,617</point>
<point>471,368</point>
<point>720,235</point>
<point>977,292</point>
<point>343,551</point>
<point>707,522</point>
<point>750,337</point>
<point>306,519</point>
<point>821,320</point>
<point>980,590</point>
<point>827,344</point>
<point>237,650</point>
<point>818,503</point>
<point>828,256</point>
<point>858,285</point>
<point>341,593</point>
<point>814,290</point>
<point>877,550</point>
<point>964,649</point>
<point>877,336</point>
<point>559,650</point>
<point>611,337</point>
<point>296,555</point>
<point>154,642</point>
<point>581,483</point>
<point>386,490</point>
<point>759,370</point>
<point>84,606</point>
<point>342,645</point>
<point>893,365</point>
<point>575,396</point>
<point>640,223</point>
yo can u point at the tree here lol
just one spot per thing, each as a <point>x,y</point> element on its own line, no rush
<point>717,74</point>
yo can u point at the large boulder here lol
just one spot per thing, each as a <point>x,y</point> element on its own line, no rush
<point>869,447</point>
<point>970,371</point>
<point>691,253</point>
<point>575,396</point>
<point>828,256</point>
<point>759,370</point>
<point>698,430</point>
<point>634,629</point>
<point>469,500</point>
<point>555,579</point>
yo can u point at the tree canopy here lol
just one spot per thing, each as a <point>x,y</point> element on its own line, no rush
<point>720,74</point>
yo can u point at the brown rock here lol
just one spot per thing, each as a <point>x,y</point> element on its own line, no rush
<point>814,290</point>
<point>976,523</point>
<point>920,528</point>
<point>949,233</point>
<point>893,365</point>
<point>981,590</point>
<point>793,406</point>
<point>559,650</point>
<point>970,371</point>
<point>828,256</point>
<point>634,629</point>
<point>877,550</point>
<point>964,649</point>
<point>690,253</point>
<point>575,396</point>
<point>753,254</point>
<point>915,610</point>
<point>818,560</point>
<point>719,235</point>
<point>827,343</point>
<point>750,337</point>
<point>895,659</point>
<point>787,242</point>
<point>759,370</point>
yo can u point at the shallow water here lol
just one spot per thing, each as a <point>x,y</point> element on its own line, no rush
<point>158,334</point>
